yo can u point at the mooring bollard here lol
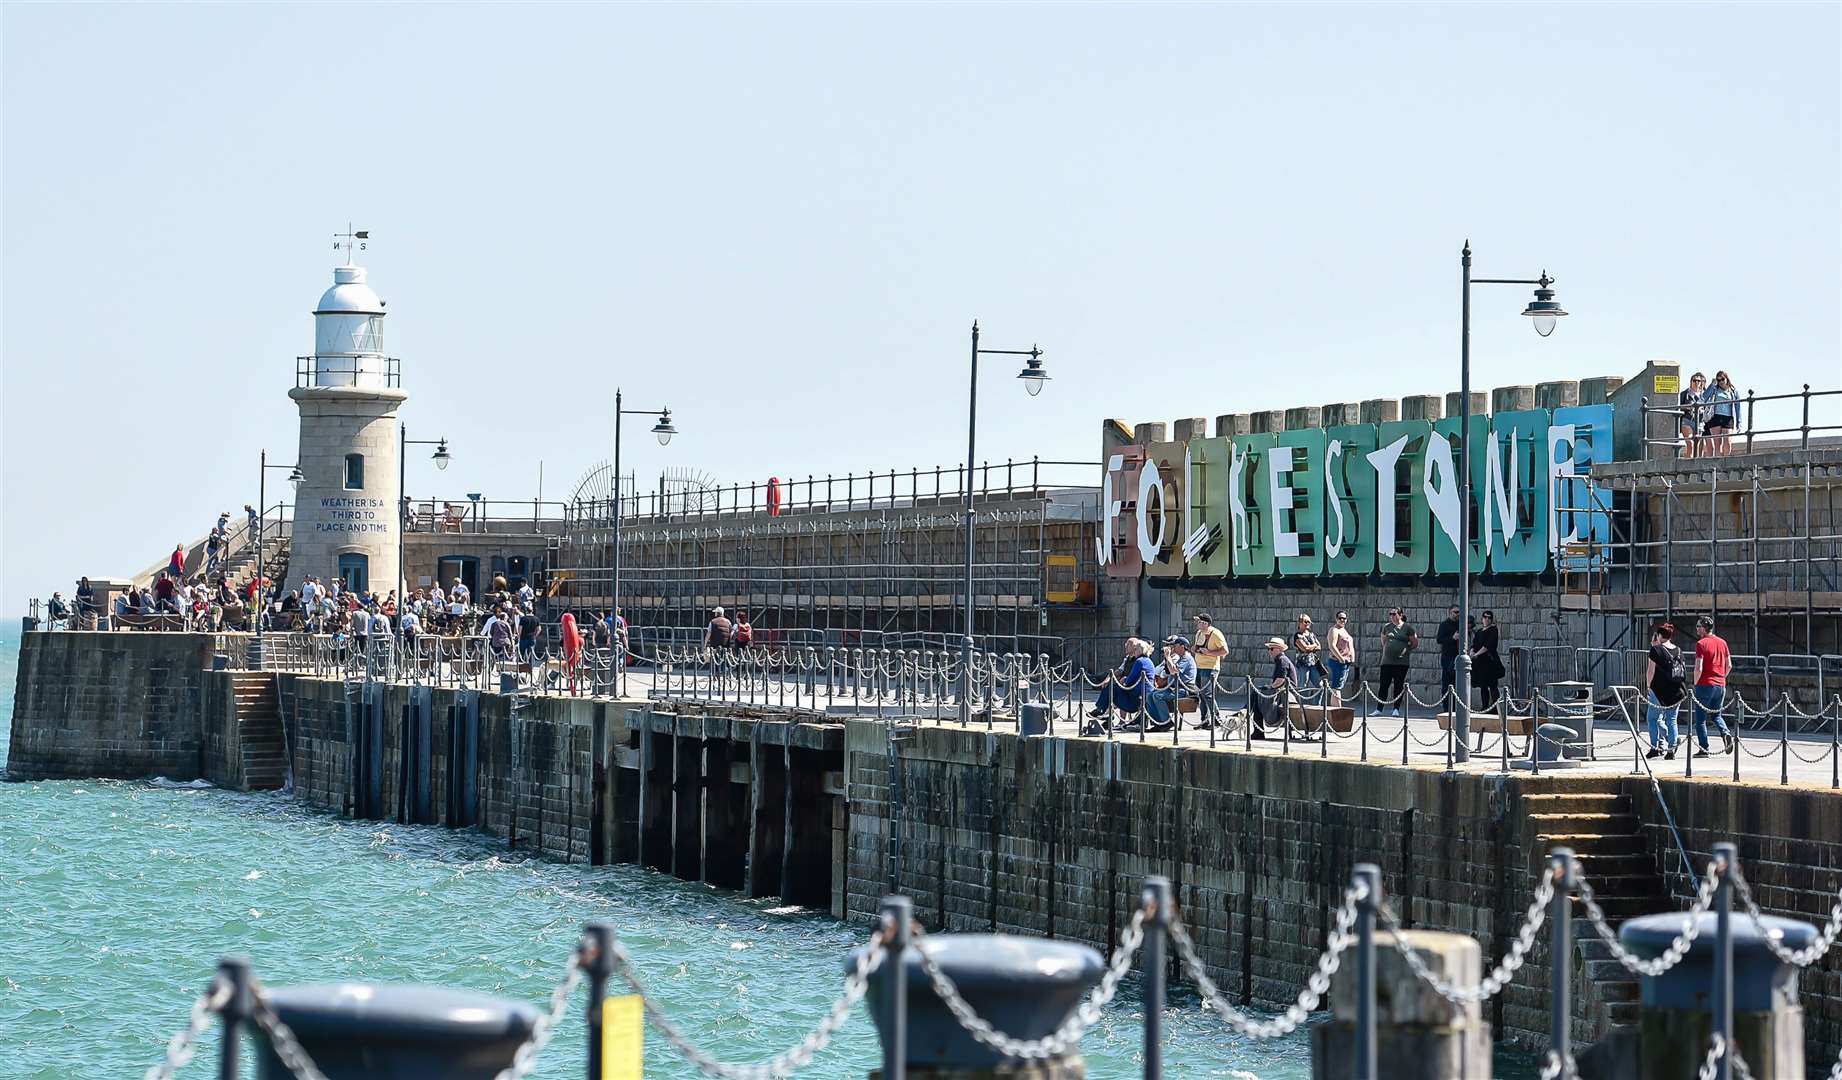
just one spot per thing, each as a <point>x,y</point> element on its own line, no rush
<point>1367,875</point>
<point>1729,982</point>
<point>1024,987</point>
<point>1157,898</point>
<point>1418,1034</point>
<point>357,1031</point>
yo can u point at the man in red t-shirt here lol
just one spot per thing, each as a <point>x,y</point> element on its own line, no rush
<point>1712,663</point>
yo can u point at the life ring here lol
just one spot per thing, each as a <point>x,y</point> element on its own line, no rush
<point>773,496</point>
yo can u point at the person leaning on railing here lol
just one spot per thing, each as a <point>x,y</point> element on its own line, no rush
<point>1722,406</point>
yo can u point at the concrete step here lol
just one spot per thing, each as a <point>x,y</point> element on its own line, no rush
<point>1578,803</point>
<point>1596,843</point>
<point>1622,824</point>
<point>1597,866</point>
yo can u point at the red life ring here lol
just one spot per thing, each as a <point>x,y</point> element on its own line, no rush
<point>773,496</point>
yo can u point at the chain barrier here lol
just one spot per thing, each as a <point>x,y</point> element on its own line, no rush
<point>535,1042</point>
<point>1500,976</point>
<point>282,1040</point>
<point>1062,1039</point>
<point>869,959</point>
<point>1340,939</point>
<point>1774,938</point>
<point>1710,1065</point>
<point>1691,926</point>
<point>184,1043</point>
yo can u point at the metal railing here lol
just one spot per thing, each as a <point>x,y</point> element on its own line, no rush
<point>355,372</point>
<point>815,494</point>
<point>1746,418</point>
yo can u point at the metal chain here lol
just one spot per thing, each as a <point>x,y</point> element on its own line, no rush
<point>181,1047</point>
<point>1710,1065</point>
<point>1554,1067</point>
<point>282,1040</point>
<point>1315,987</point>
<point>868,960</point>
<point>1774,938</point>
<point>1062,1039</point>
<point>1691,926</point>
<point>540,1031</point>
<point>1500,977</point>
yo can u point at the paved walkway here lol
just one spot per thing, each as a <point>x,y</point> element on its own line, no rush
<point>1809,760</point>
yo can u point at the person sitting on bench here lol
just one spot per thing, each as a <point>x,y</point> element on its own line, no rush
<point>1175,681</point>
<point>1126,689</point>
<point>1270,704</point>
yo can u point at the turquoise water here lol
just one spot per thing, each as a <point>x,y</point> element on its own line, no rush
<point>117,898</point>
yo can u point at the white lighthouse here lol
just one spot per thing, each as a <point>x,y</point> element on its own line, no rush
<point>346,519</point>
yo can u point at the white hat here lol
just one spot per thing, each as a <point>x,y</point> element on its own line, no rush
<point>716,611</point>
<point>1275,641</point>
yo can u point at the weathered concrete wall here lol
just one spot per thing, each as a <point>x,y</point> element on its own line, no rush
<point>109,705</point>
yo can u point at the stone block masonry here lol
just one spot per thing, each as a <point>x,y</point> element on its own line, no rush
<point>109,705</point>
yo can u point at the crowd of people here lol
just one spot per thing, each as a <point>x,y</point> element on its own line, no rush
<point>1306,669</point>
<point>1710,413</point>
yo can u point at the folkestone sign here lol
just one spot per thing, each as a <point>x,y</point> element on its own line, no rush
<point>1359,500</point>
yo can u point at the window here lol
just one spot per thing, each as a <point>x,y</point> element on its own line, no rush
<point>354,472</point>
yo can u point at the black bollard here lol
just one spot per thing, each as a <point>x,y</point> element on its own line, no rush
<point>1024,987</point>
<point>357,1031</point>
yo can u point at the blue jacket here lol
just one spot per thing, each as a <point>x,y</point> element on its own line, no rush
<point>1134,681</point>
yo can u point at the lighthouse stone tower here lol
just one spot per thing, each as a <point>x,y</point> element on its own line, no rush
<point>346,518</point>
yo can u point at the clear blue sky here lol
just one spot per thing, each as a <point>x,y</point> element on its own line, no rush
<point>781,220</point>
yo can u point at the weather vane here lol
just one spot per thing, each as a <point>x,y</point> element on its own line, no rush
<point>350,240</point>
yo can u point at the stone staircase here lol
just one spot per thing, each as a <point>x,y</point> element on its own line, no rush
<point>259,736</point>
<point>1607,839</point>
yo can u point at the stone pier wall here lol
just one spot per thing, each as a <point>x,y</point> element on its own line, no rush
<point>93,704</point>
<point>987,831</point>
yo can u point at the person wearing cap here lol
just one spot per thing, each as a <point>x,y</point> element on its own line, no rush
<point>1177,677</point>
<point>1278,688</point>
<point>716,635</point>
<point>1208,646</point>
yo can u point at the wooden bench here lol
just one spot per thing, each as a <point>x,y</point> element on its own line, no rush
<point>1310,718</point>
<point>1490,723</point>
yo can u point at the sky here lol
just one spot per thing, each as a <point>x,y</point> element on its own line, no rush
<point>781,220</point>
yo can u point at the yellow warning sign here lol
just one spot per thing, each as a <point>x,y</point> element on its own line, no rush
<point>1666,384</point>
<point>623,1037</point>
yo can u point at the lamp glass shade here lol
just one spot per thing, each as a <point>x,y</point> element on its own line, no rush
<point>295,478</point>
<point>664,429</point>
<point>1033,376</point>
<point>1544,324</point>
<point>442,457</point>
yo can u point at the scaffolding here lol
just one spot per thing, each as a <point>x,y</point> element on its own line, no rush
<point>1753,541</point>
<point>859,560</point>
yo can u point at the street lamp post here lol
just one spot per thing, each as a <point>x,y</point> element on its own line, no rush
<point>1033,377</point>
<point>664,431</point>
<point>262,514</point>
<point>1543,310</point>
<point>441,457</point>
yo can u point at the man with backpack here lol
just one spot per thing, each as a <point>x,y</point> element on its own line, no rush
<point>1666,674</point>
